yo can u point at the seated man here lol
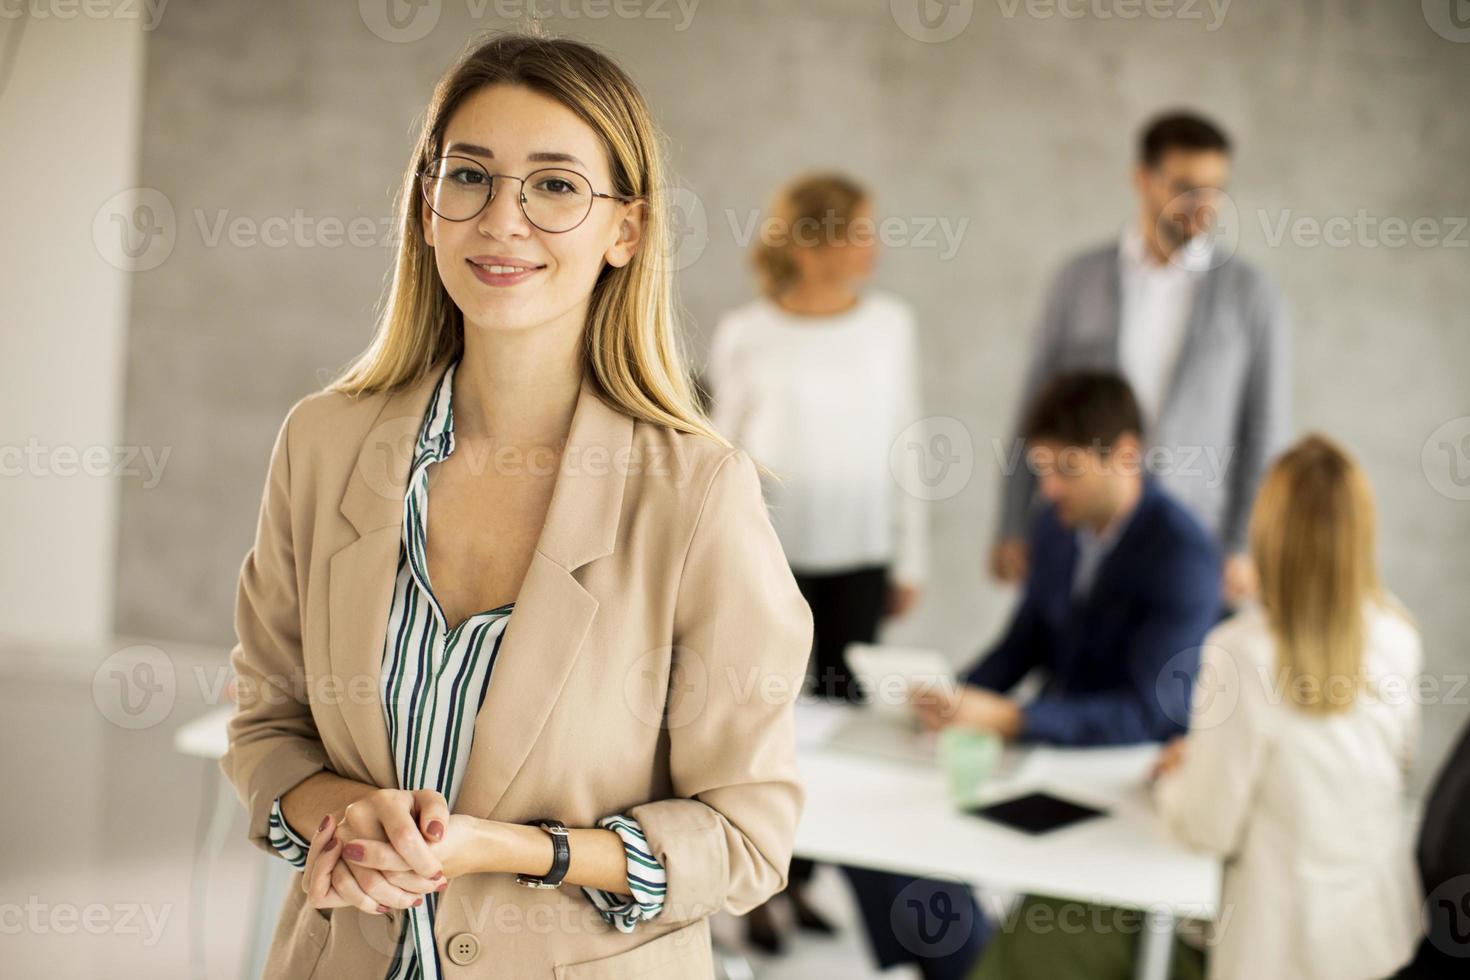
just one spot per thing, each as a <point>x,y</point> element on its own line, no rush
<point>1122,587</point>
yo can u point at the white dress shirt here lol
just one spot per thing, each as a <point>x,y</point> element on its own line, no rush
<point>1153,319</point>
<point>821,401</point>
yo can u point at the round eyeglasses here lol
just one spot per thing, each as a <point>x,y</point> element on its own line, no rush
<point>553,199</point>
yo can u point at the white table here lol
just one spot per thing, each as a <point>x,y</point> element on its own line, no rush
<point>858,806</point>
<point>878,813</point>
<point>206,738</point>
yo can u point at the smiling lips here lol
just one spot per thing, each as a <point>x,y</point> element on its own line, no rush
<point>502,270</point>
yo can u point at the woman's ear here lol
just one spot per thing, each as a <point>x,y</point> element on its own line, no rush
<point>630,234</point>
<point>426,222</point>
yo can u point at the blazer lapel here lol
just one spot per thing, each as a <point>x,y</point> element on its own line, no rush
<point>1201,316</point>
<point>1108,575</point>
<point>1110,309</point>
<point>361,575</point>
<point>552,614</point>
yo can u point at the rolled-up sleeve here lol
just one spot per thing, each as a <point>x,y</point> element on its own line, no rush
<point>742,637</point>
<point>286,842</point>
<point>645,879</point>
<point>273,740</point>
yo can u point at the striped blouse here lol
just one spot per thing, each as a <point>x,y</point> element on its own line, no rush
<point>432,684</point>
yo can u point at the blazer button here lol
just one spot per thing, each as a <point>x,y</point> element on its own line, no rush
<point>464,948</point>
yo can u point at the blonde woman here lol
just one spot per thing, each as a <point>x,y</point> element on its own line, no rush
<point>1302,726</point>
<point>817,378</point>
<point>518,739</point>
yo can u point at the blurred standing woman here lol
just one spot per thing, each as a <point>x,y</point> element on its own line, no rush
<point>816,379</point>
<point>1303,725</point>
<point>473,734</point>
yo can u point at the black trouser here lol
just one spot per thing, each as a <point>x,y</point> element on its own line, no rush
<point>935,925</point>
<point>846,608</point>
<point>900,913</point>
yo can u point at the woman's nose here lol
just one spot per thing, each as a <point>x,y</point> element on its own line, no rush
<point>502,216</point>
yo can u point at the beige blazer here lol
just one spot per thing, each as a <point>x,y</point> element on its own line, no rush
<point>1308,809</point>
<point>651,667</point>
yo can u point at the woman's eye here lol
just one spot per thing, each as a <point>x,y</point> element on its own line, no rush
<point>467,176</point>
<point>557,185</point>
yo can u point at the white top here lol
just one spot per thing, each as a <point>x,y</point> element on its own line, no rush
<point>822,401</point>
<point>1156,300</point>
<point>1308,807</point>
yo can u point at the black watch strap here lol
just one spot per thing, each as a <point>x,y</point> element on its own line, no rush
<point>561,858</point>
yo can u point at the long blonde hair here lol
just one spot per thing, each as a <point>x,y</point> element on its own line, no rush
<point>632,344</point>
<point>816,198</point>
<point>1312,541</point>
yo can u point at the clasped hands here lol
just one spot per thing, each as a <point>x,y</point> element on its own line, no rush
<point>389,849</point>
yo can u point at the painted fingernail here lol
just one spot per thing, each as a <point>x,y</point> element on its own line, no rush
<point>442,885</point>
<point>352,852</point>
<point>332,843</point>
<point>418,903</point>
<point>325,820</point>
<point>436,830</point>
<point>384,909</point>
<point>437,876</point>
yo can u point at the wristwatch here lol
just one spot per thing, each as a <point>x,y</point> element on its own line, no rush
<point>561,857</point>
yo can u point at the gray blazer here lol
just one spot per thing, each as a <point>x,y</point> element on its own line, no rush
<point>1227,410</point>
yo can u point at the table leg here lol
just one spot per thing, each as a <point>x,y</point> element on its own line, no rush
<point>221,815</point>
<point>731,964</point>
<point>1155,946</point>
<point>274,877</point>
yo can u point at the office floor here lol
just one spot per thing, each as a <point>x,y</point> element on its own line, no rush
<point>98,853</point>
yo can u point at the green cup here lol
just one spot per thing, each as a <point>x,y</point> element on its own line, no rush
<point>968,757</point>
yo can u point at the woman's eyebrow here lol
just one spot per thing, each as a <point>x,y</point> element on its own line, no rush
<point>475,150</point>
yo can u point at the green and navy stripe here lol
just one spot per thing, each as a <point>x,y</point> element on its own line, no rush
<point>432,684</point>
<point>645,877</point>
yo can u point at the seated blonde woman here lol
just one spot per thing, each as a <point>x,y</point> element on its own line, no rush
<point>1302,727</point>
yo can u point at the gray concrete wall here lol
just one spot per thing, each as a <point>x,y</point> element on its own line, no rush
<point>70,121</point>
<point>1017,128</point>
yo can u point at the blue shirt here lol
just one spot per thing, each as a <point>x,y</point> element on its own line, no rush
<point>1093,547</point>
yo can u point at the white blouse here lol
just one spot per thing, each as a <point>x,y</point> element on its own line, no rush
<point>1307,808</point>
<point>823,402</point>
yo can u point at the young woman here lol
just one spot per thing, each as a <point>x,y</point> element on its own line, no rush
<point>1303,726</point>
<point>550,731</point>
<point>818,379</point>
